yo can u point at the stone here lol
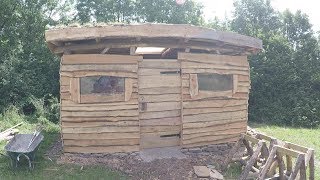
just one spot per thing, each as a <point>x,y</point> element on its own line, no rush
<point>223,147</point>
<point>184,150</point>
<point>201,171</point>
<point>195,150</point>
<point>215,174</point>
<point>212,149</point>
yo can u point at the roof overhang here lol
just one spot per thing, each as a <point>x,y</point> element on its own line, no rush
<point>149,35</point>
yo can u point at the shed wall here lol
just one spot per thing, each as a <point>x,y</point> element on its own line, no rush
<point>213,117</point>
<point>99,127</point>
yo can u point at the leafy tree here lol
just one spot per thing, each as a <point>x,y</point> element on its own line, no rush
<point>284,76</point>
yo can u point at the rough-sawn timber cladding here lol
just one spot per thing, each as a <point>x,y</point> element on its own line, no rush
<point>99,127</point>
<point>213,118</point>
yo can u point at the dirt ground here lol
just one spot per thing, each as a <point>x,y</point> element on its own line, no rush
<point>133,166</point>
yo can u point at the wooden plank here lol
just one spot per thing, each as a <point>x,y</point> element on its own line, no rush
<point>152,71</point>
<point>217,71</point>
<point>90,107</point>
<point>161,114</point>
<point>115,113</point>
<point>100,149</point>
<point>160,98</point>
<point>212,123</point>
<point>159,90</point>
<point>163,106</point>
<point>99,124</point>
<point>149,141</point>
<point>171,121</point>
<point>215,128</point>
<point>209,139</point>
<point>64,89</point>
<point>218,132</point>
<point>159,81</point>
<point>95,119</point>
<point>194,89</point>
<point>243,78</point>
<point>91,130</point>
<point>100,68</point>
<point>100,142</point>
<point>216,103</point>
<point>65,81</point>
<point>213,58</point>
<point>221,140</point>
<point>214,116</point>
<point>75,90</point>
<point>235,83</point>
<point>243,89</point>
<point>130,102</point>
<point>196,65</point>
<point>156,129</point>
<point>105,136</point>
<point>65,95</point>
<point>286,151</point>
<point>100,73</point>
<point>99,59</point>
<point>211,110</point>
<point>159,64</point>
<point>128,89</point>
<point>99,97</point>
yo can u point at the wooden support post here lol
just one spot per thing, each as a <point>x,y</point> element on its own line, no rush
<point>289,164</point>
<point>273,168</point>
<point>248,147</point>
<point>281,166</point>
<point>251,161</point>
<point>268,163</point>
<point>311,166</point>
<point>300,160</point>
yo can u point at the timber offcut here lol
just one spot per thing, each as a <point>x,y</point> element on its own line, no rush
<point>124,88</point>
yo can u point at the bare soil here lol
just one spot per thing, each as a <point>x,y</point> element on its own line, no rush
<point>135,168</point>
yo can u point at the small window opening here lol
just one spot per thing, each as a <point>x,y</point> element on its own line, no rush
<point>215,82</point>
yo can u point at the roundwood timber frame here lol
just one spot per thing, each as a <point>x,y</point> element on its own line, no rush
<point>162,103</point>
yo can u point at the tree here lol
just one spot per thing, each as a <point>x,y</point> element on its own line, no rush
<point>284,76</point>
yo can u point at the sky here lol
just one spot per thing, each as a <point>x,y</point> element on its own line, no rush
<point>223,8</point>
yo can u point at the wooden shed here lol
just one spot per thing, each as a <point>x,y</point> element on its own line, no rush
<point>129,87</point>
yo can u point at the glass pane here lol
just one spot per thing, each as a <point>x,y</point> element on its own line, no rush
<point>215,82</point>
<point>107,85</point>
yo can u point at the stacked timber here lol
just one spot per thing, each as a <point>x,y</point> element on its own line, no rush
<point>213,117</point>
<point>99,127</point>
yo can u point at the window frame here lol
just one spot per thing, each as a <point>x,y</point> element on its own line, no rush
<point>195,93</point>
<point>96,97</point>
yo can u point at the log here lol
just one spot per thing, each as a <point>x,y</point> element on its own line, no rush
<point>299,162</point>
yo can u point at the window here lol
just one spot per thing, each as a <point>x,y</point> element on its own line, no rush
<point>215,82</point>
<point>102,89</point>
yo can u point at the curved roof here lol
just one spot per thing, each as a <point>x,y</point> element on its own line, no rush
<point>158,35</point>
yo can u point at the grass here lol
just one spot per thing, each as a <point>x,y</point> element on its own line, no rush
<point>44,168</point>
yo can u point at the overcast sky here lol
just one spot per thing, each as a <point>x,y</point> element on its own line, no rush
<point>221,8</point>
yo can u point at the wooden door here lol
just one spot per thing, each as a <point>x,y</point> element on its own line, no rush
<point>159,103</point>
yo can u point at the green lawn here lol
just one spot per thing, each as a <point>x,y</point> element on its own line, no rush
<point>44,168</point>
